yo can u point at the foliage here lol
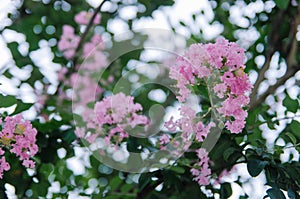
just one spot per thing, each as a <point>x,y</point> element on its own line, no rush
<point>269,35</point>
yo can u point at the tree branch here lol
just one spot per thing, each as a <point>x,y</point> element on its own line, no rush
<point>292,67</point>
<point>272,42</point>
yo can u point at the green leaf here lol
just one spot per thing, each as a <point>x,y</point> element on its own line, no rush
<point>255,166</point>
<point>7,101</point>
<point>228,152</point>
<point>282,4</point>
<point>21,107</point>
<point>275,193</point>
<point>291,137</point>
<point>291,194</point>
<point>295,127</point>
<point>226,190</point>
<point>115,183</point>
<point>144,180</point>
<point>290,104</point>
<point>178,169</point>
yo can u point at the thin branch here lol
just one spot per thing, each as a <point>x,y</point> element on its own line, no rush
<point>272,42</point>
<point>84,34</point>
<point>273,120</point>
<point>290,73</point>
<point>293,146</point>
<point>292,67</point>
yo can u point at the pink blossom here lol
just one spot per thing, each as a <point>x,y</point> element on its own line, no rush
<point>220,90</point>
<point>79,132</point>
<point>20,139</point>
<point>84,17</point>
<point>202,131</point>
<point>4,166</point>
<point>225,53</point>
<point>120,112</point>
<point>68,41</point>
<point>202,172</point>
<point>171,125</point>
<point>164,139</point>
<point>92,138</point>
<point>235,126</point>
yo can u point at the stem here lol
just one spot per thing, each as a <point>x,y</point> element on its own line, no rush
<point>293,146</point>
<point>83,36</point>
<point>274,120</point>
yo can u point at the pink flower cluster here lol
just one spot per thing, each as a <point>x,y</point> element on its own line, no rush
<point>188,126</point>
<point>83,85</point>
<point>114,114</point>
<point>201,169</point>
<point>68,42</point>
<point>231,86</point>
<point>200,60</point>
<point>19,137</point>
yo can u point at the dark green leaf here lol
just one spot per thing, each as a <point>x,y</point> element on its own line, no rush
<point>295,127</point>
<point>228,152</point>
<point>178,169</point>
<point>226,190</point>
<point>7,101</point>
<point>255,166</point>
<point>291,194</point>
<point>275,193</point>
<point>291,104</point>
<point>282,4</point>
<point>21,107</point>
<point>144,180</point>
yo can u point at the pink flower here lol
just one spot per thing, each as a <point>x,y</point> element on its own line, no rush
<point>79,132</point>
<point>202,172</point>
<point>171,125</point>
<point>164,139</point>
<point>28,164</point>
<point>68,41</point>
<point>84,17</point>
<point>20,138</point>
<point>235,126</point>
<point>119,112</point>
<point>4,166</point>
<point>202,131</point>
<point>92,138</point>
<point>225,53</point>
<point>220,90</point>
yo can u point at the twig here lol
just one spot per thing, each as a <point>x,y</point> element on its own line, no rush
<point>292,67</point>
<point>290,73</point>
<point>273,120</point>
<point>84,34</point>
<point>295,145</point>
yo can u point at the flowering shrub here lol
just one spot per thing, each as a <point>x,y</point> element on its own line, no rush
<point>175,129</point>
<point>17,136</point>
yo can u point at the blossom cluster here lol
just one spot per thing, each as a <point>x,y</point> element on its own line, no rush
<point>231,86</point>
<point>201,169</point>
<point>19,137</point>
<point>84,87</point>
<point>69,40</point>
<point>112,116</point>
<point>188,126</point>
<point>200,61</point>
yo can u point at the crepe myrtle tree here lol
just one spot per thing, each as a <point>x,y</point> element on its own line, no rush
<point>72,98</point>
